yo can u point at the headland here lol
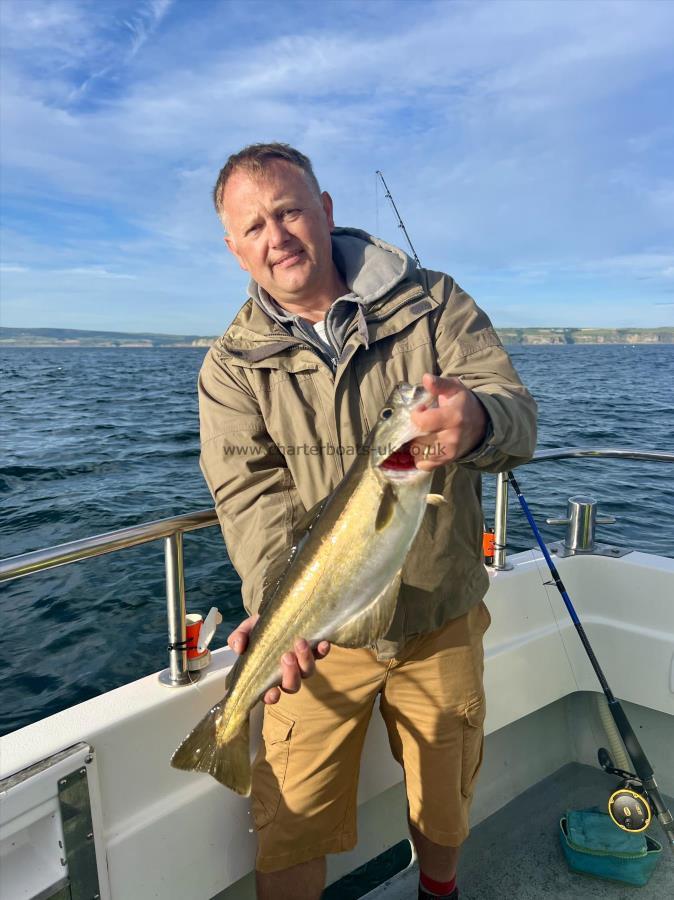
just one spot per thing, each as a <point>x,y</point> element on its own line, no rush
<point>69,337</point>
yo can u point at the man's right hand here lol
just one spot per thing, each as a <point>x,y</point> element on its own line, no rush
<point>294,665</point>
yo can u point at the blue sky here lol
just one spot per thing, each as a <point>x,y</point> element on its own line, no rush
<point>529,146</point>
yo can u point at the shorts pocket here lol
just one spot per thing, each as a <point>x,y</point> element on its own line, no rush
<point>271,763</point>
<point>473,744</point>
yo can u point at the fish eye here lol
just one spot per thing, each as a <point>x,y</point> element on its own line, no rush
<point>386,413</point>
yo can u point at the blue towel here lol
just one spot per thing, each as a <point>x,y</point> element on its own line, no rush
<point>594,845</point>
<point>591,829</point>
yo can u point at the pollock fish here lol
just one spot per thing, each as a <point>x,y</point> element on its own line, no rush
<point>341,584</point>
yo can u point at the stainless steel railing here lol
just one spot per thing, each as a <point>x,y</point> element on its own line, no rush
<point>171,531</point>
<point>501,510</point>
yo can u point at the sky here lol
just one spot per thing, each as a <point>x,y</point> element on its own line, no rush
<point>528,145</point>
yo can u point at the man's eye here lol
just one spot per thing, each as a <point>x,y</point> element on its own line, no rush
<point>291,213</point>
<point>252,229</point>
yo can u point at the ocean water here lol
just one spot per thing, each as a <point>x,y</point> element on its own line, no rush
<point>98,439</point>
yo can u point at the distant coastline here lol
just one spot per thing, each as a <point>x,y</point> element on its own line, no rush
<point>73,337</point>
<point>530,336</point>
<point>68,337</point>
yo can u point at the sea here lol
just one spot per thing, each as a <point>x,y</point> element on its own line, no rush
<point>100,439</point>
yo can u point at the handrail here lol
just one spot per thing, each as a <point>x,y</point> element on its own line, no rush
<point>604,453</point>
<point>501,510</point>
<point>100,544</point>
<point>173,528</point>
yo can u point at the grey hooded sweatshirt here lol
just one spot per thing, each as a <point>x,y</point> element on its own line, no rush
<point>369,267</point>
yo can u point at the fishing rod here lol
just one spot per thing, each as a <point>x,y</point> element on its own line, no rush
<point>630,807</point>
<point>401,224</point>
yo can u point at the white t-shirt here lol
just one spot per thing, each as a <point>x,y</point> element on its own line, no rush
<point>319,328</point>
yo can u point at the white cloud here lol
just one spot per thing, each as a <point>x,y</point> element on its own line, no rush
<point>93,272</point>
<point>144,20</point>
<point>651,265</point>
<point>507,131</point>
<point>43,25</point>
<point>62,47</point>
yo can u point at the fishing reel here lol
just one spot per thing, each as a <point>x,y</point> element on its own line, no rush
<point>628,806</point>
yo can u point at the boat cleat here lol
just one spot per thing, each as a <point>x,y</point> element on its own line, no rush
<point>581,521</point>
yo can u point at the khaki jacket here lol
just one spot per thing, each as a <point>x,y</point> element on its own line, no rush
<point>279,430</point>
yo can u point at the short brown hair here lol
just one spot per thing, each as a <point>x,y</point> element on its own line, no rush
<point>254,158</point>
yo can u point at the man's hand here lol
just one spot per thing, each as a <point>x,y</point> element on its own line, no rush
<point>294,666</point>
<point>455,427</point>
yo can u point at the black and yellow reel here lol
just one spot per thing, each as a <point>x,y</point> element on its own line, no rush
<point>628,807</point>
<point>629,810</point>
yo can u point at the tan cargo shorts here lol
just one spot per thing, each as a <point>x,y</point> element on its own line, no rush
<point>305,775</point>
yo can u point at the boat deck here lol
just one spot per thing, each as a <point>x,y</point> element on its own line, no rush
<point>516,851</point>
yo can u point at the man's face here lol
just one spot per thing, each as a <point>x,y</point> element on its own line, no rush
<point>279,230</point>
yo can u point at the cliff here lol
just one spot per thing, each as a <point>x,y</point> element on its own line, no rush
<point>66,337</point>
<point>586,335</point>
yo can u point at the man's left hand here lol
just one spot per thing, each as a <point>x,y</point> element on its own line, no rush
<point>453,429</point>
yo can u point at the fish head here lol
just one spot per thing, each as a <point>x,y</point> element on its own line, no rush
<point>389,441</point>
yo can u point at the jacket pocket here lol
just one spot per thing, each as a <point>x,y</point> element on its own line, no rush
<point>271,764</point>
<point>473,744</point>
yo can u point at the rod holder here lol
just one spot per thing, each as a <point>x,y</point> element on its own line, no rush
<point>501,524</point>
<point>177,674</point>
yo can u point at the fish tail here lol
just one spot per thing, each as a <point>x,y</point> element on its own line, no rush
<point>227,761</point>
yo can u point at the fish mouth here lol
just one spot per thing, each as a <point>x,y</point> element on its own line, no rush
<point>401,460</point>
<point>397,457</point>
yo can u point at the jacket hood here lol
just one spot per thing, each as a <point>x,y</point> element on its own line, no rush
<point>370,267</point>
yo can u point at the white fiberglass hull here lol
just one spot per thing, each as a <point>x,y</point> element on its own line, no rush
<point>160,833</point>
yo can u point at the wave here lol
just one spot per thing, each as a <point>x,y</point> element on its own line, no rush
<point>103,442</point>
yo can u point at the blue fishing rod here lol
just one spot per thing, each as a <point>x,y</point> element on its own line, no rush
<point>631,806</point>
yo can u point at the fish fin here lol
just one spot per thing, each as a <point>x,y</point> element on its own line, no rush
<point>279,567</point>
<point>436,500</point>
<point>372,623</point>
<point>233,673</point>
<point>273,578</point>
<point>387,507</point>
<point>309,519</point>
<point>228,762</point>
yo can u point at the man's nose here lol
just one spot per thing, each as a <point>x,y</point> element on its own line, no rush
<point>277,233</point>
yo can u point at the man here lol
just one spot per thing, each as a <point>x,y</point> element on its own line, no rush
<point>334,320</point>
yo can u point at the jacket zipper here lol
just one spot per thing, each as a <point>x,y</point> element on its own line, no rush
<point>304,345</point>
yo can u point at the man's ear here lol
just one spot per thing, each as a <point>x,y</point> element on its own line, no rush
<point>231,246</point>
<point>326,203</point>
